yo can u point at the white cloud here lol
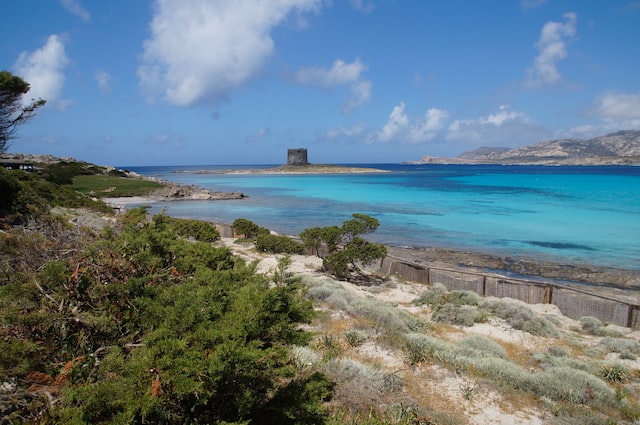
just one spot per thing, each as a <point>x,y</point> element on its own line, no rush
<point>396,125</point>
<point>200,51</point>
<point>104,81</point>
<point>363,6</point>
<point>43,69</point>
<point>616,111</point>
<point>75,8</point>
<point>340,73</point>
<point>354,133</point>
<point>505,127</point>
<point>619,106</point>
<point>552,47</point>
<point>428,128</point>
<point>399,128</point>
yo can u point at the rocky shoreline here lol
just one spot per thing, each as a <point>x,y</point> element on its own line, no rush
<point>618,282</point>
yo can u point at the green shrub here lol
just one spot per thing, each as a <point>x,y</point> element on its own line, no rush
<point>432,295</point>
<point>590,325</point>
<point>627,348</point>
<point>393,320</point>
<point>266,242</point>
<point>458,314</point>
<point>615,372</point>
<point>575,386</point>
<point>199,230</point>
<point>247,228</point>
<point>354,337</point>
<point>521,317</point>
<point>460,298</point>
<point>479,345</point>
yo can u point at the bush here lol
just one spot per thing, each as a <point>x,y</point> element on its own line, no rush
<point>615,372</point>
<point>590,325</point>
<point>628,349</point>
<point>479,345</point>
<point>196,229</point>
<point>458,314</point>
<point>266,242</point>
<point>247,228</point>
<point>521,317</point>
<point>432,295</point>
<point>460,298</point>
<point>354,337</point>
<point>575,386</point>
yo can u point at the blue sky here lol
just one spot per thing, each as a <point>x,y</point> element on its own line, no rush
<point>178,82</point>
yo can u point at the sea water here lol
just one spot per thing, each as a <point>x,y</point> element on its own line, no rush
<point>572,215</point>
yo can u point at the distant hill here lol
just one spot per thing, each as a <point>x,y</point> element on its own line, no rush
<point>621,148</point>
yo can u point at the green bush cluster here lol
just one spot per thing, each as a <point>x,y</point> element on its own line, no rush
<point>267,242</point>
<point>201,231</point>
<point>145,326</point>
<point>464,308</point>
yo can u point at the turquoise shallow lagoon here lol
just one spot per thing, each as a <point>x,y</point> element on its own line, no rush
<point>573,215</point>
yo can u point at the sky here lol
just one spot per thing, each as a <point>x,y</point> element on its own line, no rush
<point>195,82</point>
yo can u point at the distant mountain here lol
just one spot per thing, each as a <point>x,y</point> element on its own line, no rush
<point>621,148</point>
<point>483,151</point>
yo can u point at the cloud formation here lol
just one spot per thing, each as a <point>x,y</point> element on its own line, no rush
<point>552,47</point>
<point>504,128</point>
<point>200,51</point>
<point>340,73</point>
<point>400,129</point>
<point>43,69</point>
<point>75,8</point>
<point>532,4</point>
<point>616,111</point>
<point>104,81</point>
<point>618,106</point>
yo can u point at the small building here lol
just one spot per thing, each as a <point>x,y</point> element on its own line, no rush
<point>17,165</point>
<point>297,157</point>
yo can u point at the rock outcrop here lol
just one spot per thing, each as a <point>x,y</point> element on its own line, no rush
<point>621,148</point>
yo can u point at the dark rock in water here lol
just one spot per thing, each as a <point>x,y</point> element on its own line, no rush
<point>560,245</point>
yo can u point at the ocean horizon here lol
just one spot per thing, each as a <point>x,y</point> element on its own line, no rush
<point>583,215</point>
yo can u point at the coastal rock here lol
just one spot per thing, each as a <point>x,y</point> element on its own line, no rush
<point>173,191</point>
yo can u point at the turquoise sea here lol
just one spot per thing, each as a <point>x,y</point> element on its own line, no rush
<point>571,215</point>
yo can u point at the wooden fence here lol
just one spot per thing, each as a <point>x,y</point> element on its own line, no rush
<point>574,302</point>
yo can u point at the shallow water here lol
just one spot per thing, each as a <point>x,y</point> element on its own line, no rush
<point>586,215</point>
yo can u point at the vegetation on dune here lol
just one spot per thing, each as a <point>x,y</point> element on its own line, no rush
<point>149,320</point>
<point>143,325</point>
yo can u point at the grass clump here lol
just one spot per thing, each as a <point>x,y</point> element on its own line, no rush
<point>594,326</point>
<point>628,349</point>
<point>614,372</point>
<point>354,337</point>
<point>522,318</point>
<point>384,315</point>
<point>431,295</point>
<point>478,345</point>
<point>459,314</point>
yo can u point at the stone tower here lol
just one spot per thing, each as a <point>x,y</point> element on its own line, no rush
<point>297,157</point>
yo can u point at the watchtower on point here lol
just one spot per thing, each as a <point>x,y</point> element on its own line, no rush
<point>297,157</point>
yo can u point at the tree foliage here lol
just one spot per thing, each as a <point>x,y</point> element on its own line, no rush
<point>12,110</point>
<point>345,249</point>
<point>250,230</point>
